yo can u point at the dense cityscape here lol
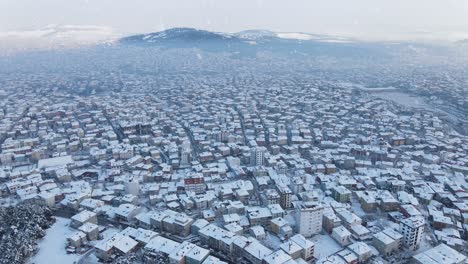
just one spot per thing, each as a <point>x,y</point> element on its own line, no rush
<point>192,156</point>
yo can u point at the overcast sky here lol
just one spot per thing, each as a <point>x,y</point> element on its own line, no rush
<point>360,18</point>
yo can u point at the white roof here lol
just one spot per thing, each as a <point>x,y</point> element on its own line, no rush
<point>333,259</point>
<point>78,235</point>
<point>55,162</point>
<point>360,229</point>
<point>233,227</point>
<point>341,231</point>
<point>277,257</point>
<point>258,230</point>
<point>359,248</point>
<point>83,216</point>
<point>257,250</point>
<point>179,253</point>
<point>88,227</point>
<point>413,221</point>
<point>441,254</point>
<point>213,260</point>
<point>125,244</point>
<point>302,241</point>
<point>384,238</point>
<point>290,247</point>
<point>198,253</point>
<point>162,244</point>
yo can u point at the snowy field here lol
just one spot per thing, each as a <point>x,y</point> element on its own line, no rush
<point>325,246</point>
<point>52,246</point>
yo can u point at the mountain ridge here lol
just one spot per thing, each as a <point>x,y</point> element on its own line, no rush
<point>250,42</point>
<point>193,34</point>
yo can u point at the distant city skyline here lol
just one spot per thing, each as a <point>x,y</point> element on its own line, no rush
<point>363,19</point>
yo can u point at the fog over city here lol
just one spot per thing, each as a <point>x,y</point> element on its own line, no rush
<point>248,132</point>
<point>423,20</point>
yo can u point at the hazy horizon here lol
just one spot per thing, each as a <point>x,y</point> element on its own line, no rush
<point>362,19</point>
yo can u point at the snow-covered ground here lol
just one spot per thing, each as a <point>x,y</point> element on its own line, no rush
<point>290,218</point>
<point>272,241</point>
<point>357,209</point>
<point>325,246</point>
<point>293,35</point>
<point>52,246</point>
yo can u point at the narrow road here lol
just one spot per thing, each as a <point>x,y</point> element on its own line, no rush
<point>195,148</point>
<point>241,118</point>
<point>120,135</point>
